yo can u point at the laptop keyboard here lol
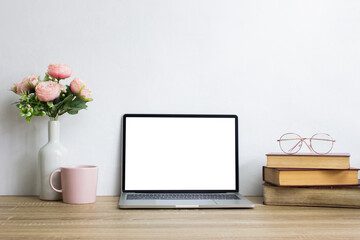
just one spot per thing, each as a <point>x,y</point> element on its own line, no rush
<point>181,196</point>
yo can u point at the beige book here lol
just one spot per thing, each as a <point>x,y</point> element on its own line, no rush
<point>328,161</point>
<point>337,196</point>
<point>309,177</point>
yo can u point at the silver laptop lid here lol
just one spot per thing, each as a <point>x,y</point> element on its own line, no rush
<point>180,153</point>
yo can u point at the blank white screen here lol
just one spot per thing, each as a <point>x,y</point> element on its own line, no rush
<point>180,153</point>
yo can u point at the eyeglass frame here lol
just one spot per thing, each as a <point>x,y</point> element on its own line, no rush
<point>302,140</point>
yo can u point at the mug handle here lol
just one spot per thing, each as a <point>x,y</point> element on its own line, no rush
<point>50,181</point>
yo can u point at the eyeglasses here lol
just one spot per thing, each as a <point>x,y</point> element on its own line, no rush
<point>320,143</point>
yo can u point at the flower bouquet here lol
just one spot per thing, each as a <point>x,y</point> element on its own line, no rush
<point>49,97</point>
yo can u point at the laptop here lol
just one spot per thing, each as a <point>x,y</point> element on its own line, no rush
<point>180,161</point>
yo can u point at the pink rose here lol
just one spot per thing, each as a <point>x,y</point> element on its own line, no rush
<point>47,91</point>
<point>59,70</point>
<point>86,94</point>
<point>14,88</point>
<point>78,87</point>
<point>27,84</point>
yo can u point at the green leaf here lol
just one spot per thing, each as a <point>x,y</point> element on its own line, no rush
<point>50,104</point>
<point>36,113</point>
<point>63,105</point>
<point>28,118</point>
<point>47,77</point>
<point>56,101</point>
<point>67,99</point>
<point>78,103</point>
<point>73,112</point>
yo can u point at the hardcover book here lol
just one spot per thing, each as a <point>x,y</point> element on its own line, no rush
<point>309,160</point>
<point>310,177</point>
<point>334,196</point>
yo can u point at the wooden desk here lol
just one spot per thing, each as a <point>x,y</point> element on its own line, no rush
<point>31,218</point>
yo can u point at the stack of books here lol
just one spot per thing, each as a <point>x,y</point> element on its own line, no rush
<point>311,180</point>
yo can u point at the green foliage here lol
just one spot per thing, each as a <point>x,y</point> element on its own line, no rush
<point>47,77</point>
<point>29,105</point>
<point>68,102</point>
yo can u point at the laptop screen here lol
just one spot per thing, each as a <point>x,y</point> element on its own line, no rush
<point>180,152</point>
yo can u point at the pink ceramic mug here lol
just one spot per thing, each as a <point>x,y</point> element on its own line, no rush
<point>78,183</point>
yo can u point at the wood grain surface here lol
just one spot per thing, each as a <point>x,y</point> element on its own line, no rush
<point>31,218</point>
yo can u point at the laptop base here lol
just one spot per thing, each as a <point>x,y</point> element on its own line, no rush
<point>242,202</point>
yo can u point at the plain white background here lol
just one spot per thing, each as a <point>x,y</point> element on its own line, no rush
<point>281,66</point>
<point>180,154</point>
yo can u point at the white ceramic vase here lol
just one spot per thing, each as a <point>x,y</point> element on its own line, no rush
<point>51,156</point>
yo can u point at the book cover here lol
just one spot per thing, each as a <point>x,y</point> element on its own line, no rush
<point>309,160</point>
<point>330,196</point>
<point>310,177</point>
<point>309,154</point>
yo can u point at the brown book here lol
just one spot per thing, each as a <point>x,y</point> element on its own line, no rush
<point>336,196</point>
<point>310,160</point>
<point>310,177</point>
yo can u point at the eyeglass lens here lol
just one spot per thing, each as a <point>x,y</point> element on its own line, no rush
<point>321,143</point>
<point>290,143</point>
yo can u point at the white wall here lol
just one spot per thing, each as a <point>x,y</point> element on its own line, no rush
<point>282,66</point>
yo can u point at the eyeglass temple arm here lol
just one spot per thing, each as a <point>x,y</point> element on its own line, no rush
<point>331,140</point>
<point>306,138</point>
<point>289,139</point>
<point>309,147</point>
<point>301,140</point>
